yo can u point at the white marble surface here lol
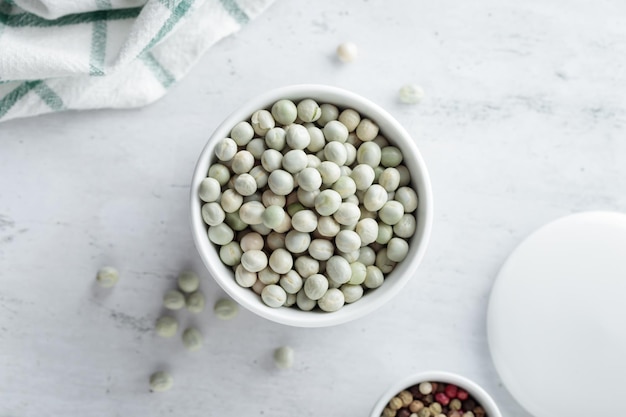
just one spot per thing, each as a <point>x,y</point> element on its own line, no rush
<point>523,123</point>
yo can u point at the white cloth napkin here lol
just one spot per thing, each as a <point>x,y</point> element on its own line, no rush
<point>84,54</point>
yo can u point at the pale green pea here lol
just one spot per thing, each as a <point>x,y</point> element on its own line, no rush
<point>212,214</point>
<point>280,182</point>
<point>353,199</point>
<point>173,300</point>
<point>332,300</point>
<point>338,269</point>
<point>291,282</point>
<point>389,179</point>
<point>256,147</point>
<point>267,276</point>
<point>321,249</point>
<point>192,339</point>
<point>225,309</point>
<point>275,241</point>
<point>307,198</point>
<point>245,278</point>
<point>242,133</point>
<point>367,229</point>
<point>275,138</point>
<point>231,201</point>
<point>315,286</point>
<point>273,295</point>
<point>397,249</point>
<point>405,175</point>
<point>271,160</point>
<point>308,110</point>
<point>317,139</point>
<point>366,214</point>
<point>234,221</point>
<point>391,212</point>
<point>225,149</point>
<point>357,273</point>
<point>367,130</point>
<point>221,234</point>
<point>161,381</point>
<point>195,302</point>
<point>309,179</point>
<point>166,326</point>
<point>377,171</point>
<point>294,161</point>
<point>351,293</point>
<point>252,212</point>
<point>405,227</point>
<point>293,208</point>
<point>336,131</point>
<point>327,226</point>
<point>327,202</point>
<point>373,277</point>
<point>283,357</point>
<point>188,281</point>
<point>313,161</point>
<point>242,162</point>
<point>284,112</point>
<point>258,287</point>
<point>354,140</point>
<point>304,303</point>
<point>381,141</point>
<point>408,198</point>
<point>350,118</point>
<point>350,256</point>
<point>251,241</point>
<point>245,184</point>
<point>260,176</point>
<point>209,190</point>
<point>335,152</point>
<point>304,221</point>
<point>375,197</point>
<point>385,233</point>
<point>297,242</point>
<point>254,260</point>
<point>262,121</point>
<point>363,176</point>
<point>107,277</point>
<point>329,171</point>
<point>291,300</point>
<point>345,170</point>
<point>231,253</point>
<point>273,216</point>
<point>306,266</point>
<point>268,198</point>
<point>329,112</point>
<point>281,261</point>
<point>369,153</point>
<point>347,241</point>
<point>367,256</point>
<point>261,229</point>
<point>220,172</point>
<point>345,186</point>
<point>350,153</point>
<point>390,156</point>
<point>383,262</point>
<point>347,214</point>
<point>298,137</point>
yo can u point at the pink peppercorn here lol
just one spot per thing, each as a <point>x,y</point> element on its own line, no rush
<point>451,390</point>
<point>442,398</point>
<point>462,395</point>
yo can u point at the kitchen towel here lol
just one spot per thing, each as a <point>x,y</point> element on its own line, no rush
<point>85,54</point>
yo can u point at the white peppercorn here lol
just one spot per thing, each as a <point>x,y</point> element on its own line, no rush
<point>166,326</point>
<point>328,112</point>
<point>309,179</point>
<point>244,277</point>
<point>297,242</point>
<point>262,121</point>
<point>327,202</point>
<point>242,133</point>
<point>225,149</point>
<point>231,253</point>
<point>221,234</point>
<point>212,214</point>
<point>256,147</point>
<point>173,300</point>
<point>321,249</point>
<point>315,286</point>
<point>284,112</point>
<point>161,381</point>
<point>192,339</point>
<point>351,293</point>
<point>336,152</point>
<point>107,277</point>
<point>273,295</point>
<point>304,303</point>
<point>281,261</point>
<point>209,190</point>
<point>220,173</point>
<point>397,249</point>
<point>369,153</point>
<point>188,281</point>
<point>245,184</point>
<point>267,276</point>
<point>254,260</point>
<point>225,309</point>
<point>373,277</point>
<point>291,282</point>
<point>405,227</point>
<point>304,221</point>
<point>252,241</point>
<point>195,302</point>
<point>391,212</point>
<point>389,179</point>
<point>298,137</point>
<point>332,300</point>
<point>317,139</point>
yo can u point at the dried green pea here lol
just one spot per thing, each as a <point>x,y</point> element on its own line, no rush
<point>256,147</point>
<point>284,112</point>
<point>306,266</point>
<point>242,133</point>
<point>225,309</point>
<point>262,121</point>
<point>231,253</point>
<point>192,339</point>
<point>358,272</point>
<point>188,281</point>
<point>383,262</point>
<point>221,234</point>
<point>166,326</point>
<point>225,149</point>
<point>234,221</point>
<point>273,295</point>
<point>273,216</point>
<point>350,119</point>
<point>291,282</point>
<point>351,293</point>
<point>369,153</point>
<point>161,381</point>
<point>304,303</point>
<point>406,227</point>
<point>332,300</point>
<point>209,190</point>
<point>283,357</point>
<point>212,214</point>
<point>308,110</point>
<point>397,249</point>
<point>219,172</point>
<point>338,269</point>
<point>195,302</point>
<point>373,277</point>
<point>173,300</point>
<point>107,277</point>
<point>390,156</point>
<point>315,286</point>
<point>328,112</point>
<point>391,212</point>
<point>297,137</point>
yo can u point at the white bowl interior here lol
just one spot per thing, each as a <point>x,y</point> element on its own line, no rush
<point>394,281</point>
<point>470,386</point>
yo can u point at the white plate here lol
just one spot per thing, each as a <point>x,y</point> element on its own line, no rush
<point>556,321</point>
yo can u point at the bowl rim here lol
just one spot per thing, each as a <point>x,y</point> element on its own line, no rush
<point>404,270</point>
<point>478,392</point>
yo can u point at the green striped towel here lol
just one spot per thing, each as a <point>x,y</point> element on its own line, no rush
<point>60,55</point>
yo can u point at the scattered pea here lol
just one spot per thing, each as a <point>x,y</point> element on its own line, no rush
<point>188,281</point>
<point>347,52</point>
<point>225,309</point>
<point>107,277</point>
<point>283,357</point>
<point>411,94</point>
<point>166,326</point>
<point>192,339</point>
<point>173,300</point>
<point>161,381</point>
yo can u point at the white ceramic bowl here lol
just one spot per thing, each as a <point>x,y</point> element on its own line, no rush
<point>479,394</point>
<point>394,282</point>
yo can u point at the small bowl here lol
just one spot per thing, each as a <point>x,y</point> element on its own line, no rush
<point>394,281</point>
<point>479,394</point>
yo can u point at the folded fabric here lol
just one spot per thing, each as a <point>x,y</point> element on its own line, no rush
<point>62,54</point>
